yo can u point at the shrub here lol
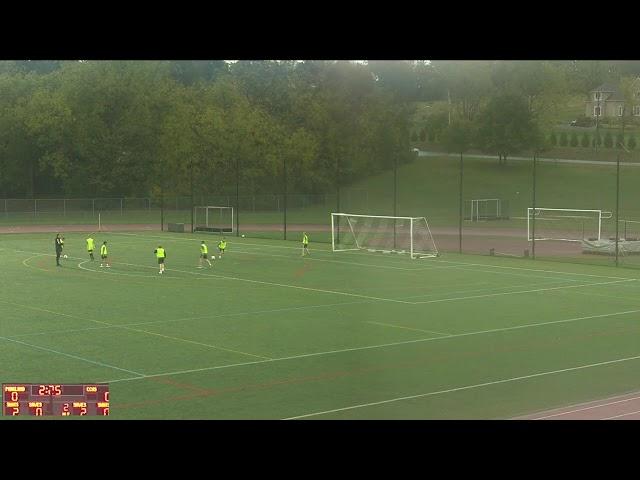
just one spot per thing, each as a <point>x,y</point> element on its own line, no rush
<point>631,143</point>
<point>414,136</point>
<point>553,139</point>
<point>597,140</point>
<point>585,142</point>
<point>423,134</point>
<point>619,140</point>
<point>563,139</point>
<point>574,139</point>
<point>608,140</point>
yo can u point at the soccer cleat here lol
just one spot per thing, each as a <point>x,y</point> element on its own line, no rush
<point>101,266</point>
<point>108,266</point>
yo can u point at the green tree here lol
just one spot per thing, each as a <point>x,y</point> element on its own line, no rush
<point>423,134</point>
<point>631,143</point>
<point>553,139</point>
<point>506,127</point>
<point>414,136</point>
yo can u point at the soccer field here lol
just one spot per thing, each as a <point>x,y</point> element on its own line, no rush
<point>267,334</point>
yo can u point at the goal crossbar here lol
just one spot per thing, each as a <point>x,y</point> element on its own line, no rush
<point>382,233</point>
<point>588,215</point>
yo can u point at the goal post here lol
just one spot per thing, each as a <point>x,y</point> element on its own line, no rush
<point>479,209</point>
<point>381,233</point>
<point>565,224</point>
<point>213,219</point>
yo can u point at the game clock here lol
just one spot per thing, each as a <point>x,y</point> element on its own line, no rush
<point>58,400</point>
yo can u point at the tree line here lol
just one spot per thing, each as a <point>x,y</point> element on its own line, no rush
<point>132,128</point>
<point>101,128</point>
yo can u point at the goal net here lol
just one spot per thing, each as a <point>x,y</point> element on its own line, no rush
<point>213,219</point>
<point>569,225</point>
<point>375,233</point>
<point>484,209</point>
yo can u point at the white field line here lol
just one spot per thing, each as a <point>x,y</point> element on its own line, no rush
<point>467,387</point>
<point>256,312</point>
<point>226,277</point>
<point>369,347</point>
<point>70,355</point>
<point>85,319</point>
<point>273,284</point>
<point>529,269</point>
<point>261,282</point>
<point>616,297</point>
<point>523,291</point>
<point>409,328</point>
<point>622,415</point>
<point>425,268</point>
<point>184,319</point>
<point>586,408</point>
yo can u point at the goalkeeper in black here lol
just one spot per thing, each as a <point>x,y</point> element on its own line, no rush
<point>59,244</point>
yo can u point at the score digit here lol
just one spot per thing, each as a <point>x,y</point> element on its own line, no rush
<point>14,396</point>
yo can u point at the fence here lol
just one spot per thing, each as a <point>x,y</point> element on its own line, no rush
<point>442,188</point>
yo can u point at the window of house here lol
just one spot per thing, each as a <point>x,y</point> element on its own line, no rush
<point>636,110</point>
<point>596,111</point>
<point>620,111</point>
<point>596,96</point>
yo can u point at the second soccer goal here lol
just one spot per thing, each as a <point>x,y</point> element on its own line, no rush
<point>377,233</point>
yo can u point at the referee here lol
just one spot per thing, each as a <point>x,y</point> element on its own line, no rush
<point>59,243</point>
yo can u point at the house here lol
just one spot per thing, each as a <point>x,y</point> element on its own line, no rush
<point>607,101</point>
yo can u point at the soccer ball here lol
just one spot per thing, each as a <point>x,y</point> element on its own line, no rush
<point>64,256</point>
<point>242,236</point>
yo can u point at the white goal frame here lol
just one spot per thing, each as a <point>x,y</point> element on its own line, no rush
<point>413,220</point>
<point>475,208</point>
<point>230,229</point>
<point>601,214</point>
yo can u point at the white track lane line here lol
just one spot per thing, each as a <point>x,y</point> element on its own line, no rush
<point>585,408</point>
<point>622,415</point>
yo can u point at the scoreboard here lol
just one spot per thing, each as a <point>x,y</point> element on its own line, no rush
<point>39,400</point>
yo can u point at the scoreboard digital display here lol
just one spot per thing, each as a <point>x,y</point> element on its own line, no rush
<point>40,400</point>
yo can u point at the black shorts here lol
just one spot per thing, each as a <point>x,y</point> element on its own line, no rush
<point>221,250</point>
<point>205,256</point>
<point>90,251</point>
<point>103,256</point>
<point>305,245</point>
<point>160,260</point>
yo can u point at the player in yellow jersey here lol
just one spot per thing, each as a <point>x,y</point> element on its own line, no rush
<point>204,254</point>
<point>91,246</point>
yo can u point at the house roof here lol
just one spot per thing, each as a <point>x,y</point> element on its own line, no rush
<point>606,87</point>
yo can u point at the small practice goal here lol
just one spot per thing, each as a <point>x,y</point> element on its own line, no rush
<point>213,219</point>
<point>378,233</point>
<point>481,209</point>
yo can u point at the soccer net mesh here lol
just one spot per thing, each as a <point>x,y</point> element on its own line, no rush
<point>565,224</point>
<point>213,219</point>
<point>480,209</point>
<point>407,235</point>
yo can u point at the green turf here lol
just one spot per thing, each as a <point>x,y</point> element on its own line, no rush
<point>267,334</point>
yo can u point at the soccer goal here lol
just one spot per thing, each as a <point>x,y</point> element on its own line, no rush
<point>565,224</point>
<point>377,233</point>
<point>213,219</point>
<point>484,209</point>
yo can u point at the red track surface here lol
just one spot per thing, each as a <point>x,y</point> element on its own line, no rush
<point>620,407</point>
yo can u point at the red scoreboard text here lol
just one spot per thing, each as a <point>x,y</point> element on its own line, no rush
<point>39,400</point>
